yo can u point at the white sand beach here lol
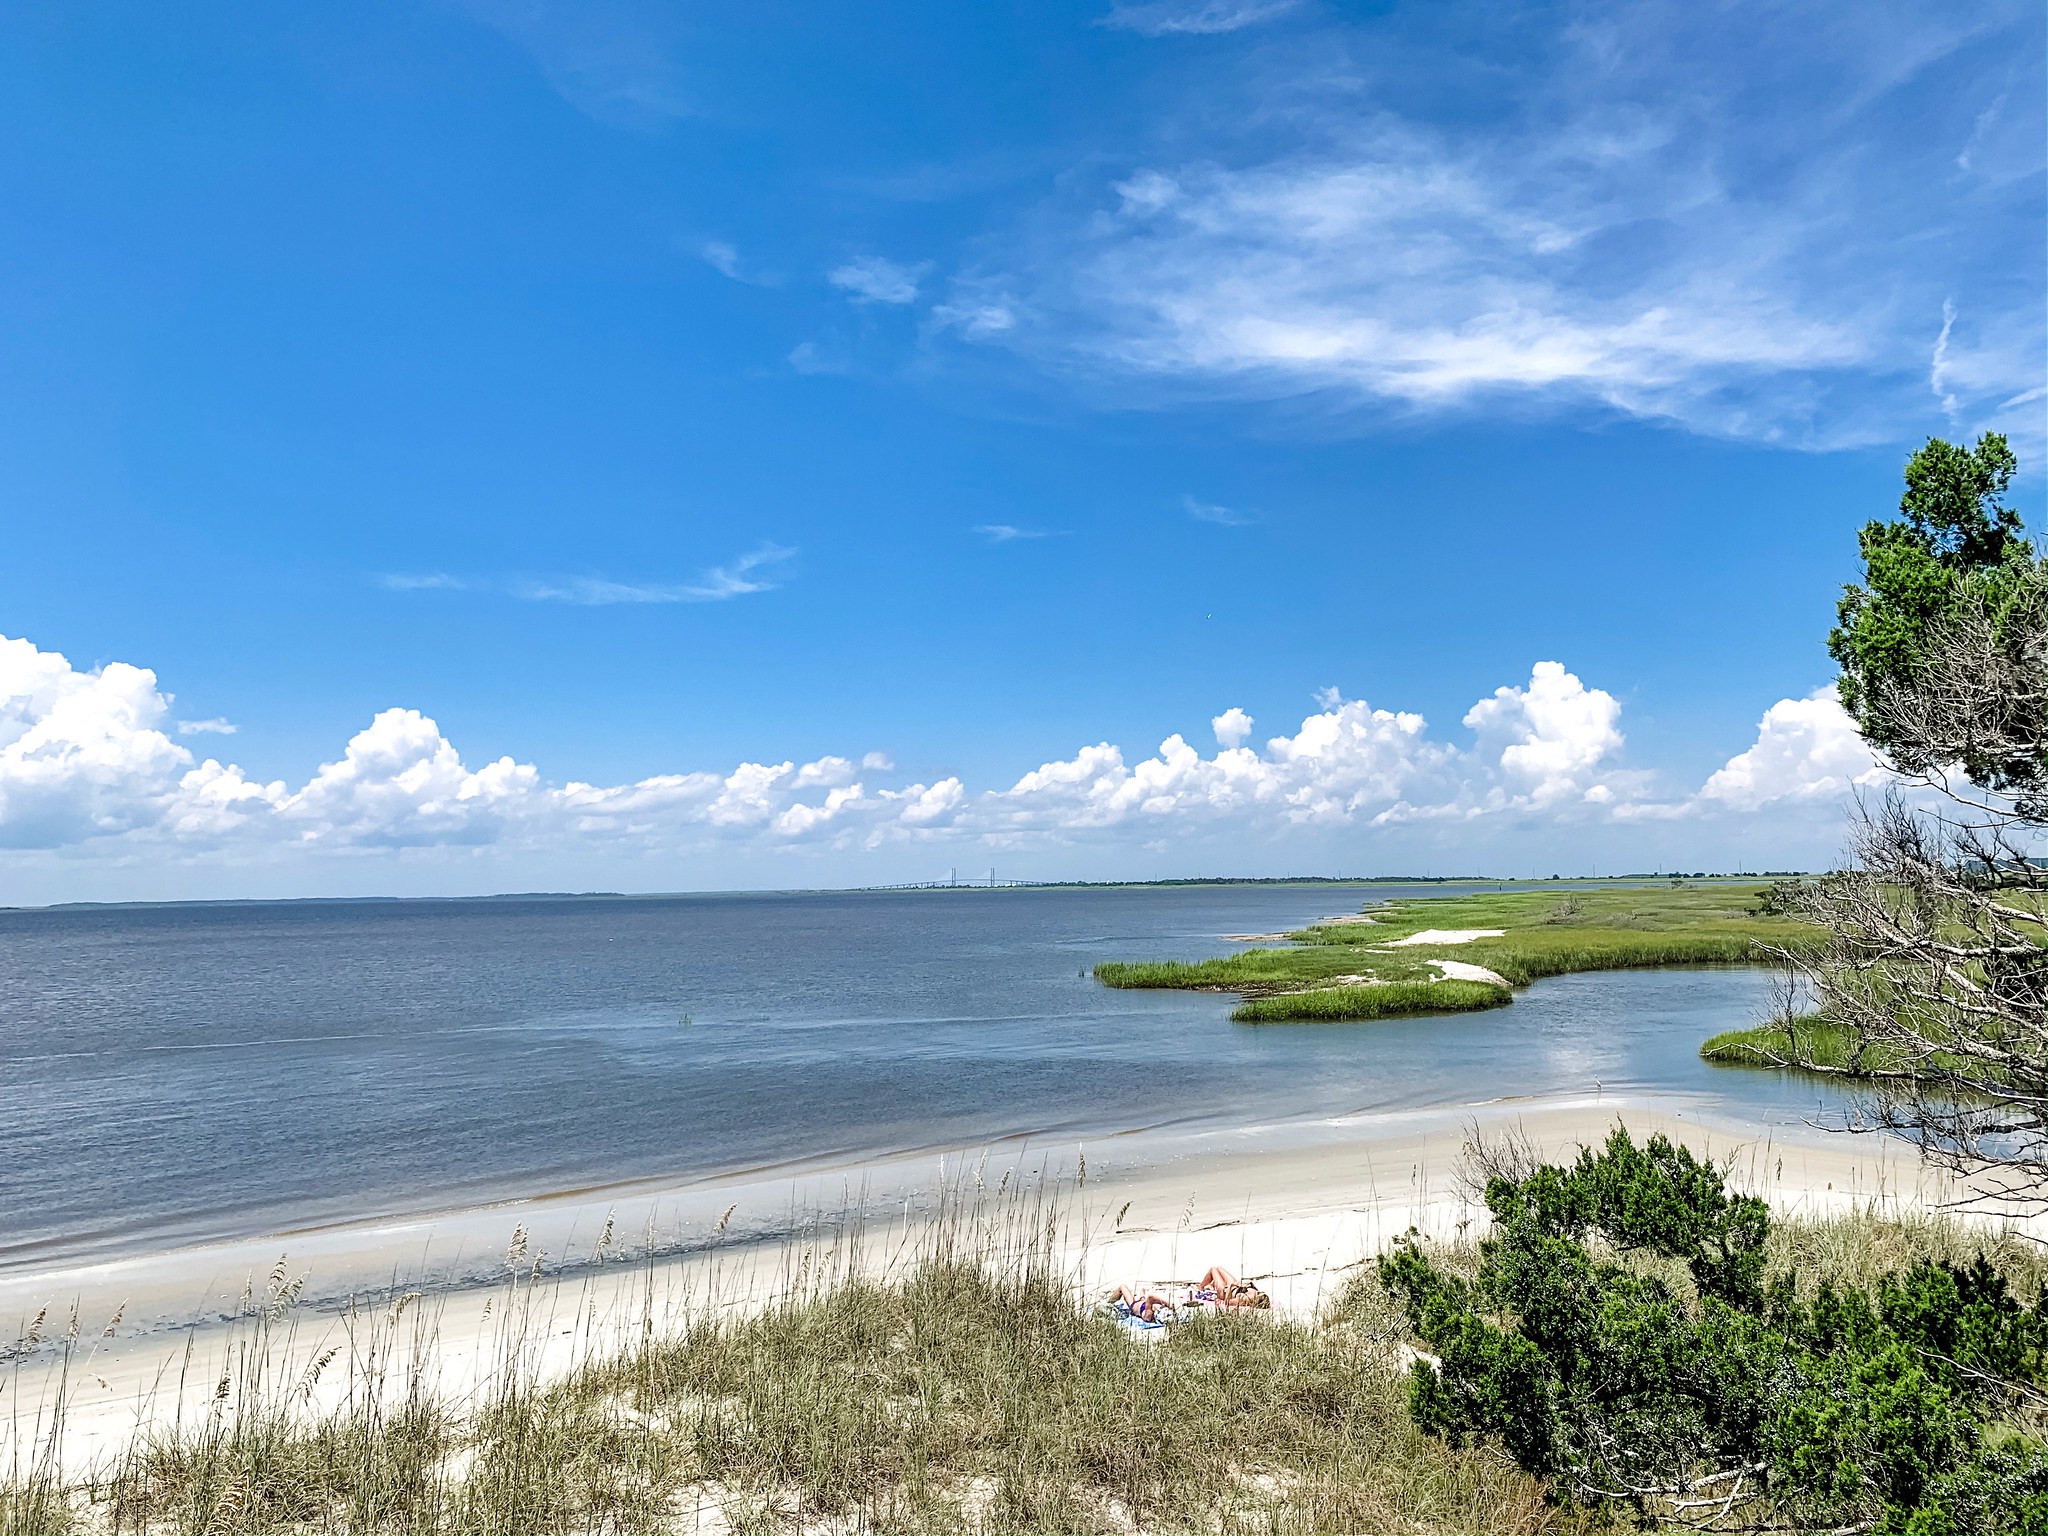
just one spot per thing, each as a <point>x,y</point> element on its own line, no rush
<point>1299,1208</point>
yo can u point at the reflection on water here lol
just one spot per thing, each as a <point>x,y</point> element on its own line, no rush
<point>187,1073</point>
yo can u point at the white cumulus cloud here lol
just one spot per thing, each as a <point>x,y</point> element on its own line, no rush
<point>82,754</point>
<point>1550,736</point>
<point>401,782</point>
<point>1805,749</point>
<point>1233,727</point>
<point>87,764</point>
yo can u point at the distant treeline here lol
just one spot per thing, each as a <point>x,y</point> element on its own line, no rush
<point>1193,880</point>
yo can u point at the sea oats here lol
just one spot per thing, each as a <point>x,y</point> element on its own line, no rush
<point>311,1376</point>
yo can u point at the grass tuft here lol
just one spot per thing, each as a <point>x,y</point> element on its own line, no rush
<point>1333,1005</point>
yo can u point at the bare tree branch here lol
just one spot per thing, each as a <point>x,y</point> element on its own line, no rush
<point>1934,967</point>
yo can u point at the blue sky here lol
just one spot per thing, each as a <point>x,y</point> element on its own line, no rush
<point>953,403</point>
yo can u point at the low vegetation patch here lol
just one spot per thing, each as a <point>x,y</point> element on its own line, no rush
<point>1809,1041</point>
<point>1540,933</point>
<point>1812,1042</point>
<point>1329,1005</point>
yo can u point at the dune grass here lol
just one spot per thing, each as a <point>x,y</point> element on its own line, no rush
<point>1543,933</point>
<point>1331,1005</point>
<point>970,1391</point>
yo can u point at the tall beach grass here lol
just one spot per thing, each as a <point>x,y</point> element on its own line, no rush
<point>956,1379</point>
<point>951,1378</point>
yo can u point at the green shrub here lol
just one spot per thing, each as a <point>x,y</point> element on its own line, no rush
<point>1622,1338</point>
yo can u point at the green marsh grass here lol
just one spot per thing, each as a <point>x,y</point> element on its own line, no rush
<point>1543,933</point>
<point>1334,1005</point>
<point>1809,1038</point>
<point>1814,1043</point>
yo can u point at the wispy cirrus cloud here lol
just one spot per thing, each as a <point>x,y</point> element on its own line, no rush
<point>422,581</point>
<point>723,257</point>
<point>1162,18</point>
<point>615,60</point>
<point>1211,512</point>
<point>976,317</point>
<point>740,577</point>
<point>1621,230</point>
<point>878,280</point>
<point>1009,533</point>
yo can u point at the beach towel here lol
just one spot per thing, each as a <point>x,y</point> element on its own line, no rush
<point>1121,1314</point>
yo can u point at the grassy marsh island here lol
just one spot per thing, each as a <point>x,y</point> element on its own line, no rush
<point>1450,954</point>
<point>1812,1042</point>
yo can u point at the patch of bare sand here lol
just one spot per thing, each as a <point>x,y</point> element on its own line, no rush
<point>1444,936</point>
<point>1465,970</point>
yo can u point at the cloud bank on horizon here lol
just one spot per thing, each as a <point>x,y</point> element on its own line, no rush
<point>89,767</point>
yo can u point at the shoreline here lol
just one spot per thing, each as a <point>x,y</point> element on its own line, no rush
<point>354,1250</point>
<point>1298,1206</point>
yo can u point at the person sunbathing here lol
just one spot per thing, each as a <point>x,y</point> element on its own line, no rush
<point>1145,1306</point>
<point>1223,1289</point>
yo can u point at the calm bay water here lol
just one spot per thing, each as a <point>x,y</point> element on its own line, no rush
<point>179,1074</point>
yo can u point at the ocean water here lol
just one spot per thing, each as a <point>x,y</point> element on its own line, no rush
<point>172,1075</point>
